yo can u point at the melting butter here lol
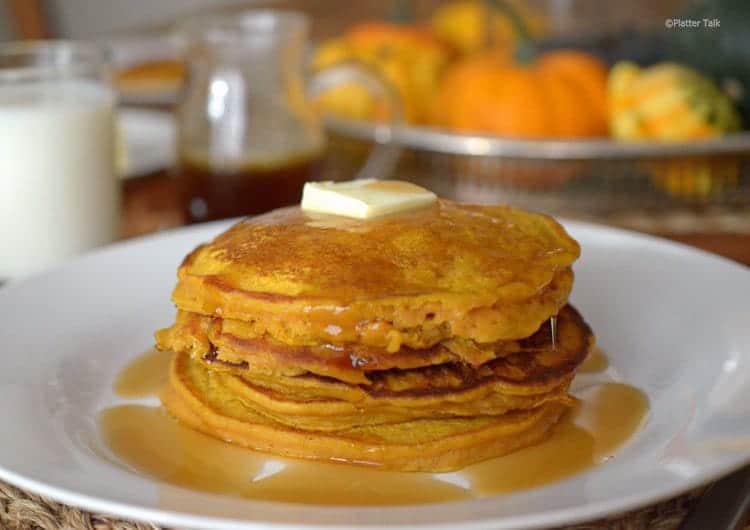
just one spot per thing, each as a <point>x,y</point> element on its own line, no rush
<point>364,199</point>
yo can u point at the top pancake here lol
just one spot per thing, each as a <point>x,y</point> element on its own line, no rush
<point>449,248</point>
<point>438,262</point>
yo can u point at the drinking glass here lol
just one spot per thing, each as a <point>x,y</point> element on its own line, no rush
<point>59,194</point>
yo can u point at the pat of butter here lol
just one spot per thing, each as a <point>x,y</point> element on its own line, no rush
<point>364,199</point>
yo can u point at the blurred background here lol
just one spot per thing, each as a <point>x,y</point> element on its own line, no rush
<point>628,113</point>
<point>86,19</point>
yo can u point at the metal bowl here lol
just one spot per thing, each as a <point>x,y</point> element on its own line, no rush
<point>580,178</point>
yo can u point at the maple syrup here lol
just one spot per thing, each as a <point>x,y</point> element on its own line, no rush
<point>145,376</point>
<point>147,439</point>
<point>210,193</point>
<point>596,362</point>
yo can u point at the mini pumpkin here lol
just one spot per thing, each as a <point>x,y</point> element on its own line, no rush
<point>561,94</point>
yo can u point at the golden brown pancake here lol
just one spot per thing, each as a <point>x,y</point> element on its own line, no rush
<point>431,445</point>
<point>416,341</point>
<point>526,379</point>
<point>485,273</point>
<point>382,334</point>
<point>220,339</point>
<point>206,337</point>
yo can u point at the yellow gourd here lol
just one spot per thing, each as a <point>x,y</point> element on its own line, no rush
<point>667,102</point>
<point>671,102</point>
<point>472,25</point>
<point>695,178</point>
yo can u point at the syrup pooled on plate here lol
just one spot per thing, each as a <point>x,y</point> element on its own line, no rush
<point>153,443</point>
<point>145,376</point>
<point>149,440</point>
<point>595,363</point>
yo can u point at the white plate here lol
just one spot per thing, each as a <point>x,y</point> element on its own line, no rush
<point>675,323</point>
<point>149,141</point>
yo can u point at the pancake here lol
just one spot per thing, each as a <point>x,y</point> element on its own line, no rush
<point>325,415</point>
<point>220,339</point>
<point>434,445</point>
<point>213,339</point>
<point>382,334</point>
<point>523,380</point>
<point>418,341</point>
<point>484,273</point>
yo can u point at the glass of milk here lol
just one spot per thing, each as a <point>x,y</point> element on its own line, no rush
<point>59,194</point>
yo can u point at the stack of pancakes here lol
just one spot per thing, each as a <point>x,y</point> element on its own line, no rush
<point>415,341</point>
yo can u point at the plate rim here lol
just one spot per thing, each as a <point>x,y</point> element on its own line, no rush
<point>184,520</point>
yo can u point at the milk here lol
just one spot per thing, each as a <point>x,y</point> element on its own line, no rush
<point>58,190</point>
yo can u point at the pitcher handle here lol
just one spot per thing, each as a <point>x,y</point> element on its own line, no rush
<point>384,155</point>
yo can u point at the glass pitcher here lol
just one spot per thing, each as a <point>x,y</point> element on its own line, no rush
<point>248,134</point>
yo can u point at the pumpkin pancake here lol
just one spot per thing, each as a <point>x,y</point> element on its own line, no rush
<point>535,374</point>
<point>381,334</point>
<point>417,341</point>
<point>433,445</point>
<point>218,339</point>
<point>485,273</point>
<point>208,338</point>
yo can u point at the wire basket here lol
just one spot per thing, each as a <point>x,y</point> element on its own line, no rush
<point>581,178</point>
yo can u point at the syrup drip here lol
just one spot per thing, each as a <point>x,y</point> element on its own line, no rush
<point>553,331</point>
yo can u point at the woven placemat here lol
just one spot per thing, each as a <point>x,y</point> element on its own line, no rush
<point>24,511</point>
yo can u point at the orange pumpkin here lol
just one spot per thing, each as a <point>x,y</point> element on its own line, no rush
<point>562,94</point>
